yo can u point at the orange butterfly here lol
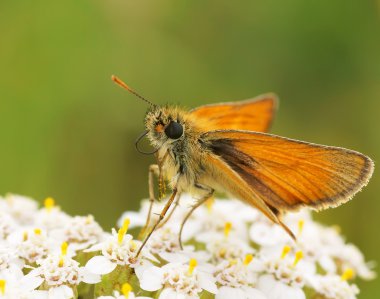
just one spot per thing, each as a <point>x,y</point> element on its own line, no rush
<point>222,147</point>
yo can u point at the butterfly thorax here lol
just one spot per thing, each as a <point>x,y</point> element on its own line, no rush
<point>181,156</point>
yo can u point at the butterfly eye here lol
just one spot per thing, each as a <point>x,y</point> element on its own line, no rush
<point>174,130</point>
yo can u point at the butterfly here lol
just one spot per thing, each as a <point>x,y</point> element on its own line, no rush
<point>225,147</point>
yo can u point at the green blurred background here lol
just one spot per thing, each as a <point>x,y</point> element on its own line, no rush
<point>68,132</point>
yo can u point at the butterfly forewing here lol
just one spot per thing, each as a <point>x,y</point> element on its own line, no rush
<point>253,115</point>
<point>288,174</point>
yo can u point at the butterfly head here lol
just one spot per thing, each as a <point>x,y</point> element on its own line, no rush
<point>164,125</point>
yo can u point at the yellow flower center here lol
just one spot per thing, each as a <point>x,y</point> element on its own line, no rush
<point>64,248</point>
<point>123,230</point>
<point>227,229</point>
<point>2,286</point>
<point>37,231</point>
<point>285,251</point>
<point>248,259</point>
<point>49,203</point>
<point>126,288</point>
<point>63,253</point>
<point>233,262</point>
<point>337,229</point>
<point>192,264</point>
<point>89,219</point>
<point>126,224</point>
<point>222,252</point>
<point>25,236</point>
<point>299,256</point>
<point>209,204</point>
<point>348,274</point>
<point>301,224</point>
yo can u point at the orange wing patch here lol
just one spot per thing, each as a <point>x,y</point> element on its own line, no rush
<point>288,174</point>
<point>252,115</point>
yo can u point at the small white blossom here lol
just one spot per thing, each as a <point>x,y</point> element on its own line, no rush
<point>9,258</point>
<point>334,287</point>
<point>13,284</point>
<point>138,219</point>
<point>235,273</point>
<point>61,292</point>
<point>21,208</point>
<point>284,275</point>
<point>237,279</point>
<point>275,289</point>
<point>51,218</point>
<point>223,249</point>
<point>117,249</point>
<point>178,279</point>
<point>350,257</point>
<point>265,233</point>
<point>7,225</point>
<point>80,232</point>
<point>288,269</point>
<point>59,270</point>
<point>35,246</point>
<point>164,240</point>
<point>209,220</point>
<point>164,243</point>
<point>59,274</point>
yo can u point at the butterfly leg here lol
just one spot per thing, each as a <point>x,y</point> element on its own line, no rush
<point>161,216</point>
<point>176,203</point>
<point>209,193</point>
<point>153,170</point>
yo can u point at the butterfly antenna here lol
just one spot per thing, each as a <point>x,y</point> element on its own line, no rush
<point>125,86</point>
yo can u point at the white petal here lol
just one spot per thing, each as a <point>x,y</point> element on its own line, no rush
<point>100,265</point>
<point>252,293</point>
<point>266,283</point>
<point>95,247</point>
<point>11,273</point>
<point>169,293</point>
<point>39,294</point>
<point>207,282</point>
<point>327,263</point>
<point>145,264</point>
<point>61,292</point>
<point>89,277</point>
<point>206,268</point>
<point>267,234</point>
<point>136,219</point>
<point>31,281</point>
<point>274,289</point>
<point>191,229</point>
<point>151,279</point>
<point>174,257</point>
<point>229,293</point>
<point>286,292</point>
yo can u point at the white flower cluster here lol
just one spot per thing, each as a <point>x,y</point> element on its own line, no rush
<point>41,248</point>
<point>230,251</point>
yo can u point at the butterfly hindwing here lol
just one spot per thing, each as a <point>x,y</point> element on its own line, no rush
<point>288,174</point>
